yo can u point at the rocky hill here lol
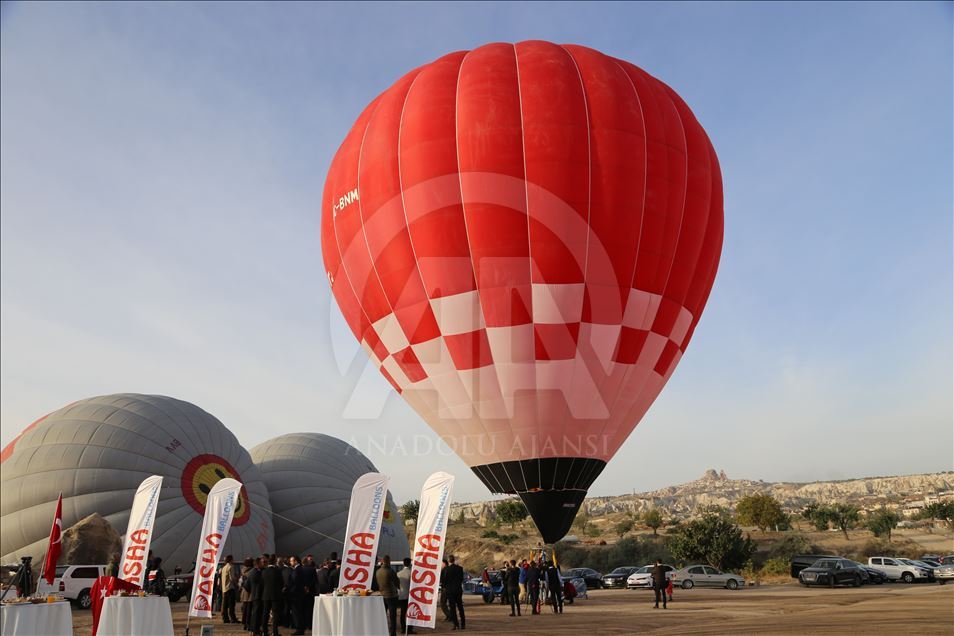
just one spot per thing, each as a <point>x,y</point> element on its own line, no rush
<point>906,493</point>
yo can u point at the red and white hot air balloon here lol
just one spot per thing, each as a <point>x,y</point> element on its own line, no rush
<point>523,237</point>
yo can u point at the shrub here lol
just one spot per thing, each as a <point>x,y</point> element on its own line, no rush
<point>778,566</point>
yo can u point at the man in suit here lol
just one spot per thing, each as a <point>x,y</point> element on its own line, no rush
<point>454,590</point>
<point>309,587</point>
<point>255,597</point>
<point>273,591</point>
<point>323,578</point>
<point>296,595</point>
<point>442,593</point>
<point>660,582</point>
<point>512,585</point>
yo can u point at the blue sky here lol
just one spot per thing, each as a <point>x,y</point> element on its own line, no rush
<point>161,171</point>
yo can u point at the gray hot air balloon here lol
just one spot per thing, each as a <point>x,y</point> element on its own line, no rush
<point>97,451</point>
<point>309,478</point>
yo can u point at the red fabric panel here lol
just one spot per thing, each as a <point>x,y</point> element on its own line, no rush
<point>665,182</point>
<point>618,149</point>
<point>490,140</point>
<point>428,155</point>
<point>556,342</point>
<point>342,178</point>
<point>556,155</point>
<point>384,223</point>
<point>469,350</point>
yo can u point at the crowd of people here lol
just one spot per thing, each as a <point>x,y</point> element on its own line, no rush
<point>270,592</point>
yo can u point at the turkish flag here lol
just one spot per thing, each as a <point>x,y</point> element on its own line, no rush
<point>106,586</point>
<point>56,545</point>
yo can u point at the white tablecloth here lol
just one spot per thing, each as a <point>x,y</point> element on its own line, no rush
<point>52,619</point>
<point>349,616</point>
<point>134,616</point>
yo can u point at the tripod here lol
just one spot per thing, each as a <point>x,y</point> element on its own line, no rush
<point>23,579</point>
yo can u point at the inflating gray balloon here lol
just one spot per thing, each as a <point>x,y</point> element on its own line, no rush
<point>309,478</point>
<point>97,451</point>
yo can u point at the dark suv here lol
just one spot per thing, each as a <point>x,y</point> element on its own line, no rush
<point>832,572</point>
<point>802,561</point>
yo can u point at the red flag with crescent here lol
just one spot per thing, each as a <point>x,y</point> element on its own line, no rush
<point>56,544</point>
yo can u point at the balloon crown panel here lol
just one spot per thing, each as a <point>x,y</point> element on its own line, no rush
<point>523,237</point>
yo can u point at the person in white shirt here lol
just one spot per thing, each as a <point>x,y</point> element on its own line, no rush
<point>404,579</point>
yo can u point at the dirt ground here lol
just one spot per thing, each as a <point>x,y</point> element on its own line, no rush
<point>769,609</point>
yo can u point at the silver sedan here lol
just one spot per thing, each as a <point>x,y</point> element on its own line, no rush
<point>705,575</point>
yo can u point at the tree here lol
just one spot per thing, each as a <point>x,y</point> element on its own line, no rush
<point>842,516</point>
<point>624,526</point>
<point>712,539</point>
<point>811,512</point>
<point>762,511</point>
<point>410,510</point>
<point>511,511</point>
<point>582,521</point>
<point>941,510</point>
<point>653,519</point>
<point>883,521</point>
<point>460,516</point>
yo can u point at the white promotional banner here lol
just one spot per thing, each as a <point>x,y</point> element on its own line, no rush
<point>219,509</point>
<point>132,568</point>
<point>428,549</point>
<point>365,516</point>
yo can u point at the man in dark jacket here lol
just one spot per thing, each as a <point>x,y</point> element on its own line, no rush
<point>555,587</point>
<point>273,591</point>
<point>533,586</point>
<point>334,574</point>
<point>659,583</point>
<point>309,586</point>
<point>254,582</point>
<point>512,585</point>
<point>454,590</point>
<point>295,596</point>
<point>388,585</point>
<point>442,593</point>
<point>323,578</point>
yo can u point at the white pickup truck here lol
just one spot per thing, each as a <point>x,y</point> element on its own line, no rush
<point>897,570</point>
<point>73,582</point>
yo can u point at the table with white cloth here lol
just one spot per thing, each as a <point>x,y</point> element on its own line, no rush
<point>349,616</point>
<point>135,616</point>
<point>51,619</point>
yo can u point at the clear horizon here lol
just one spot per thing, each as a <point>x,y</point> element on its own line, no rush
<point>161,167</point>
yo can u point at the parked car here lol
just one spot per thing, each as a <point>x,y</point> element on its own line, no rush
<point>947,560</point>
<point>832,572</point>
<point>643,577</point>
<point>898,570</point>
<point>944,572</point>
<point>594,580</point>
<point>708,576</point>
<point>802,561</point>
<point>617,578</point>
<point>73,582</point>
<point>934,563</point>
<point>874,575</point>
<point>924,566</point>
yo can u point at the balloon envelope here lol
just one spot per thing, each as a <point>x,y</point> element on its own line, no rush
<point>523,237</point>
<point>97,451</point>
<point>309,478</point>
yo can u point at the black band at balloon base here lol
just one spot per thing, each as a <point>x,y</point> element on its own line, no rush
<point>553,511</point>
<point>552,488</point>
